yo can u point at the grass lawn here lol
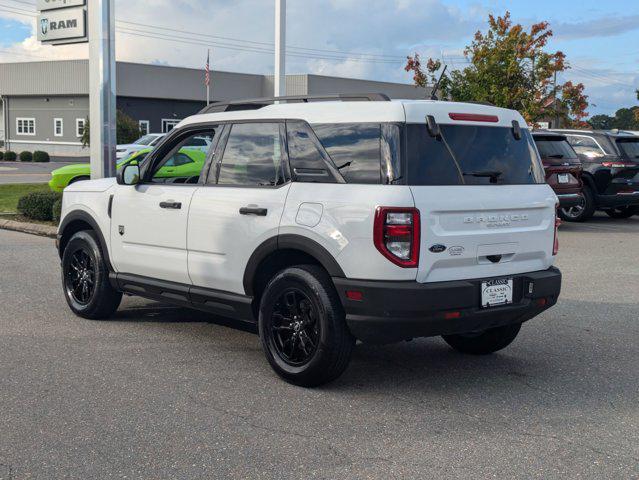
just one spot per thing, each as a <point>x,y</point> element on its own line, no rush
<point>10,194</point>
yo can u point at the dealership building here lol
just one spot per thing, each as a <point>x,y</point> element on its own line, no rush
<point>44,105</point>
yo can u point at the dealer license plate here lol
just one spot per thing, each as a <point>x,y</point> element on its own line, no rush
<point>563,178</point>
<point>496,292</point>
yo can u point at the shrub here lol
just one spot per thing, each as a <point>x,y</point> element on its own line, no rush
<point>1,155</point>
<point>10,156</point>
<point>26,157</point>
<point>38,205</point>
<point>41,157</point>
<point>56,210</point>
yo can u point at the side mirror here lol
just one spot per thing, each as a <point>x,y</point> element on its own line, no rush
<point>129,175</point>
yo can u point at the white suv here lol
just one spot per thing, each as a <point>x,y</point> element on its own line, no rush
<point>327,222</point>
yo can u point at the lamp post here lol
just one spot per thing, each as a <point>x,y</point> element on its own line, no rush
<point>280,48</point>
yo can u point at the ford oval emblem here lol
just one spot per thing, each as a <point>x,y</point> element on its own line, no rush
<point>438,248</point>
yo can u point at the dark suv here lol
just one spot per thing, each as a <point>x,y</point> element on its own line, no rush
<point>562,167</point>
<point>611,173</point>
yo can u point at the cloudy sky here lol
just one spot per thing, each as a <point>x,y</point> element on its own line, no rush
<point>354,38</point>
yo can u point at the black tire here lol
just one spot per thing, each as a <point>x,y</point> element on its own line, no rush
<point>317,340</point>
<point>623,212</point>
<point>85,278</point>
<point>582,212</point>
<point>79,179</point>
<point>484,343</point>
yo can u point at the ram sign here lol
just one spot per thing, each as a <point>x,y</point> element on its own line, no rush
<point>44,5</point>
<point>64,25</point>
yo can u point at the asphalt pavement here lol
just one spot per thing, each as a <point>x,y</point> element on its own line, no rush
<point>27,172</point>
<point>163,392</point>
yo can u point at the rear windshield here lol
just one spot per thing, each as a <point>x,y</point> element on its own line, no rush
<point>630,147</point>
<point>556,148</point>
<point>145,140</point>
<point>471,155</point>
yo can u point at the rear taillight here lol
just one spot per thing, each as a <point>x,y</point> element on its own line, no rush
<point>555,245</point>
<point>396,235</point>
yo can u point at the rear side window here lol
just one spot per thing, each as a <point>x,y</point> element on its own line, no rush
<point>307,160</point>
<point>584,145</point>
<point>471,155</point>
<point>253,156</point>
<point>630,147</point>
<point>355,150</point>
<point>555,147</point>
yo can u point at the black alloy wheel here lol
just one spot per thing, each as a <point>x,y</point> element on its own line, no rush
<point>302,326</point>
<point>80,277</point>
<point>85,278</point>
<point>294,327</point>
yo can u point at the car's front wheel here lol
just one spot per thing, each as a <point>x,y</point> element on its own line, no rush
<point>486,342</point>
<point>302,327</point>
<point>85,278</point>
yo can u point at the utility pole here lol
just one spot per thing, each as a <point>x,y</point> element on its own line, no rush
<point>102,91</point>
<point>280,48</point>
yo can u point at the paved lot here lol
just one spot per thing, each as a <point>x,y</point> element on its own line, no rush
<point>161,392</point>
<point>18,172</point>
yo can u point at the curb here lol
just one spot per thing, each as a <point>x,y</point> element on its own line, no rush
<point>31,228</point>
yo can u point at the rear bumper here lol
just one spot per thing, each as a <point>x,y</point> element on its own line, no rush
<point>567,200</point>
<point>618,200</point>
<point>395,311</point>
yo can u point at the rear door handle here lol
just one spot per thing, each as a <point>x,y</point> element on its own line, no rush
<point>171,205</point>
<point>260,212</point>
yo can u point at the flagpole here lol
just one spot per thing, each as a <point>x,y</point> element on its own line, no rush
<point>208,73</point>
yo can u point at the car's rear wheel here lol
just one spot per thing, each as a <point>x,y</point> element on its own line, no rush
<point>622,212</point>
<point>486,342</point>
<point>85,278</point>
<point>582,211</point>
<point>302,327</point>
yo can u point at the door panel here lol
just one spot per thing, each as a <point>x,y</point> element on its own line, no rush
<point>221,239</point>
<point>147,239</point>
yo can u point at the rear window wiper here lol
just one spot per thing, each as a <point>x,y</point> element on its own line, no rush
<point>492,174</point>
<point>557,155</point>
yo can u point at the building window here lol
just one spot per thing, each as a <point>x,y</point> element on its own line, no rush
<point>79,127</point>
<point>25,126</point>
<point>144,127</point>
<point>58,127</point>
<point>168,124</point>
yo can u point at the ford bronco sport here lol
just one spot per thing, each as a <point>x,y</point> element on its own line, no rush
<point>326,222</point>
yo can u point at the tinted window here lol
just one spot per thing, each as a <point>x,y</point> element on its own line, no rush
<point>306,158</point>
<point>197,142</point>
<point>253,155</point>
<point>630,147</point>
<point>181,163</point>
<point>355,150</point>
<point>555,148</point>
<point>585,145</point>
<point>471,155</point>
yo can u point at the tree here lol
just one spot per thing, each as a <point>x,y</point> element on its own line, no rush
<point>624,119</point>
<point>127,130</point>
<point>510,68</point>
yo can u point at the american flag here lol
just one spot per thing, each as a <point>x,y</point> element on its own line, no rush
<point>207,70</point>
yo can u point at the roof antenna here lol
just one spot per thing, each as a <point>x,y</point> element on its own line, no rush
<point>433,94</point>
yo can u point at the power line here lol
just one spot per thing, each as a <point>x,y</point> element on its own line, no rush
<point>263,47</point>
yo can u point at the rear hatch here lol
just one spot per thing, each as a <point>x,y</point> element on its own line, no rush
<point>485,208</point>
<point>561,163</point>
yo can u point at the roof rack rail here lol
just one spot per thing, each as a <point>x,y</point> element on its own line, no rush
<point>257,103</point>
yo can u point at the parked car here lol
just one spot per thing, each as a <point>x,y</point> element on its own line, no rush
<point>326,222</point>
<point>185,163</point>
<point>149,140</point>
<point>563,169</point>
<point>611,173</point>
